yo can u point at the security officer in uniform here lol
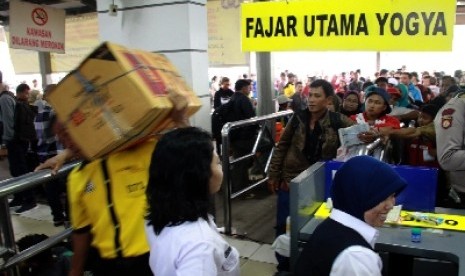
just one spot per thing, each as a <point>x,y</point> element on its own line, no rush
<point>450,139</point>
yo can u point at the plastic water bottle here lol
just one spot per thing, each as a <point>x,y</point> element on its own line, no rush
<point>416,235</point>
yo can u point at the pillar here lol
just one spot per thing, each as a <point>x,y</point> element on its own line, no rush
<point>264,84</point>
<point>177,29</point>
<point>45,66</point>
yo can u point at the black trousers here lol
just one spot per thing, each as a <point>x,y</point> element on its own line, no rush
<point>17,159</point>
<point>119,266</point>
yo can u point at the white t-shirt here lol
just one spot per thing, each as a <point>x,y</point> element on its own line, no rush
<point>192,248</point>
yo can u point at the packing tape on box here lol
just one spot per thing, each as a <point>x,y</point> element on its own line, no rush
<point>118,126</point>
<point>91,92</point>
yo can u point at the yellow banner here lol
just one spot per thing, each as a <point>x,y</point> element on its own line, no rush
<point>416,219</point>
<point>381,25</point>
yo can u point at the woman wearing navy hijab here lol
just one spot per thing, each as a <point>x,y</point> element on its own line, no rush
<point>363,192</point>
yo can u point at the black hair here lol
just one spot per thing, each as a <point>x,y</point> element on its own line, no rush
<point>430,109</point>
<point>241,83</point>
<point>366,84</point>
<point>22,88</point>
<point>224,79</point>
<point>327,87</point>
<point>381,79</point>
<point>408,74</point>
<point>179,176</point>
<point>433,80</point>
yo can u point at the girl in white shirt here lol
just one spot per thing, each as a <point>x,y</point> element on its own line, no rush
<point>184,172</point>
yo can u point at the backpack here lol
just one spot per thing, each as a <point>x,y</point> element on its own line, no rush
<point>221,115</point>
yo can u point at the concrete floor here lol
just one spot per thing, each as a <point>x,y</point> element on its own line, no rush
<point>253,218</point>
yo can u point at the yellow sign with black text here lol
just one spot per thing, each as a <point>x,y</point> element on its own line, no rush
<point>382,25</point>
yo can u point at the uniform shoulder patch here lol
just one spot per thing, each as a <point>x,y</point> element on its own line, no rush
<point>446,118</point>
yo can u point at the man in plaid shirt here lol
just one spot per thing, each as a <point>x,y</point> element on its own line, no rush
<point>47,147</point>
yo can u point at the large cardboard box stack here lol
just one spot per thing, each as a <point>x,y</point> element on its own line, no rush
<point>119,96</point>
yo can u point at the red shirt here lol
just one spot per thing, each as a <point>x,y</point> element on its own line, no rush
<point>383,121</point>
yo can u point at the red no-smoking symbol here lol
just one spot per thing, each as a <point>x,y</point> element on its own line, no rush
<point>39,16</point>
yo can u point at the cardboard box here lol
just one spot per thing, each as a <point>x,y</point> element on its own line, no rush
<point>117,97</point>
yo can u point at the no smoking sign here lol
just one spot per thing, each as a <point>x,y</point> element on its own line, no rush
<point>39,16</point>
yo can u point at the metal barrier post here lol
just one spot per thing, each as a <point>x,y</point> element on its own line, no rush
<point>226,162</point>
<point>227,184</point>
<point>7,237</point>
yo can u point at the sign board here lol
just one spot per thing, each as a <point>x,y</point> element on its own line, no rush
<point>224,39</point>
<point>35,27</point>
<point>382,25</point>
<point>82,37</point>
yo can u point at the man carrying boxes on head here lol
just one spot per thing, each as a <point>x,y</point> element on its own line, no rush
<point>107,191</point>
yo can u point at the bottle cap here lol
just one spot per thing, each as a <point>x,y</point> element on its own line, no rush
<point>416,231</point>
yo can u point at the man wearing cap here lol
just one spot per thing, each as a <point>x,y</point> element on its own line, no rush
<point>363,192</point>
<point>450,140</point>
<point>376,109</point>
<point>283,102</point>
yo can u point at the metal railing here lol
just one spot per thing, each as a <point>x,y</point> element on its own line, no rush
<point>263,122</point>
<point>7,237</point>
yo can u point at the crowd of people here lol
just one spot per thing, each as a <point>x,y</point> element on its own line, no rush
<point>125,206</point>
<point>27,134</point>
<point>419,124</point>
<point>393,101</point>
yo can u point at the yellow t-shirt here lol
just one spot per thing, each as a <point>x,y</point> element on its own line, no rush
<point>289,90</point>
<point>114,211</point>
